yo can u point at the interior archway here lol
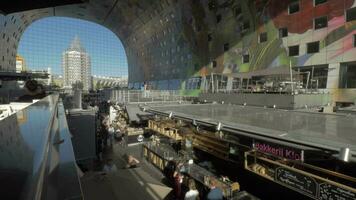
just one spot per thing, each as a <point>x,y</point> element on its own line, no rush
<point>44,42</point>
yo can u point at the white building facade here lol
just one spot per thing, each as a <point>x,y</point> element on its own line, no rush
<point>76,66</point>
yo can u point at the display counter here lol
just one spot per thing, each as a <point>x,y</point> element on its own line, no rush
<point>204,176</point>
<point>160,155</point>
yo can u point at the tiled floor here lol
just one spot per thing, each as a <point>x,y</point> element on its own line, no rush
<point>142,183</point>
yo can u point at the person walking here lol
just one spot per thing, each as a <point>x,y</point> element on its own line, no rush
<point>178,179</point>
<point>111,132</point>
<point>192,193</point>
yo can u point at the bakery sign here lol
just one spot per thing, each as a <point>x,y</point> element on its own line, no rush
<point>279,150</point>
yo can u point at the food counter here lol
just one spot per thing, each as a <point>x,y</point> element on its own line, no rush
<point>159,155</point>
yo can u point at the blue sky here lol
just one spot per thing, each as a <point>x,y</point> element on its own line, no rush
<point>43,42</point>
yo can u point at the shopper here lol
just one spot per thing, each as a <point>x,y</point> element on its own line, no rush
<point>193,193</point>
<point>215,193</point>
<point>178,179</point>
<point>111,132</point>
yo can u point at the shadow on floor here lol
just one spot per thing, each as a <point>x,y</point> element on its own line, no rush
<point>144,182</point>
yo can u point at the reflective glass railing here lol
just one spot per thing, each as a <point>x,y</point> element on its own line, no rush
<point>36,154</point>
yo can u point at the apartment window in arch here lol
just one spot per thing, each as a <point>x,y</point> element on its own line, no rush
<point>246,58</point>
<point>226,47</point>
<point>283,32</point>
<point>263,37</point>
<point>293,7</point>
<point>237,10</point>
<point>293,50</point>
<point>210,37</point>
<point>215,64</point>
<point>218,18</point>
<point>354,40</point>
<point>351,14</point>
<point>348,75</point>
<point>313,47</point>
<point>320,22</point>
<point>317,2</point>
<point>246,25</point>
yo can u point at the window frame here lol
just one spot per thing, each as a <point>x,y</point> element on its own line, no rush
<point>244,58</point>
<point>319,3</point>
<point>312,43</point>
<point>226,47</point>
<point>260,36</point>
<point>280,30</point>
<point>289,50</point>
<point>316,18</point>
<point>346,16</point>
<point>290,4</point>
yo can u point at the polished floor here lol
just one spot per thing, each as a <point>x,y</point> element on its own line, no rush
<point>144,182</point>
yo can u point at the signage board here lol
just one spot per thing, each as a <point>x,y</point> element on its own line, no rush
<point>305,184</point>
<point>333,192</point>
<point>279,150</point>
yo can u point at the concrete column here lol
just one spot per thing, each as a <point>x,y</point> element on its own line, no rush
<point>333,76</point>
<point>332,83</point>
<point>229,83</point>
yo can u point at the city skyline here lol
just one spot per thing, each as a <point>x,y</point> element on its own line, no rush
<point>37,46</point>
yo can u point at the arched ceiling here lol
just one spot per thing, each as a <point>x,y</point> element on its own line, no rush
<point>123,17</point>
<point>168,41</point>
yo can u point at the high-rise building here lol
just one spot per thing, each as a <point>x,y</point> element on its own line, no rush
<point>76,67</point>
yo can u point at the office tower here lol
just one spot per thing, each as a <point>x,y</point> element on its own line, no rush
<point>76,67</point>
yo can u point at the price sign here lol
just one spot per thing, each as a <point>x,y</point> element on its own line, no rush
<point>297,181</point>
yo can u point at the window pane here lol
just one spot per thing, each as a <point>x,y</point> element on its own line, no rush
<point>263,37</point>
<point>294,50</point>
<point>348,75</point>
<point>246,58</point>
<point>351,14</point>
<point>283,32</point>
<point>246,25</point>
<point>226,47</point>
<point>317,2</point>
<point>294,7</point>
<point>320,22</point>
<point>313,47</point>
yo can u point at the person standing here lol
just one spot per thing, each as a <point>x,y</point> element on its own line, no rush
<point>193,193</point>
<point>178,179</point>
<point>215,192</point>
<point>111,132</point>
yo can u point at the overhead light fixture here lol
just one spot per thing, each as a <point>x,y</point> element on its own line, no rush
<point>219,126</point>
<point>344,154</point>
<point>170,115</point>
